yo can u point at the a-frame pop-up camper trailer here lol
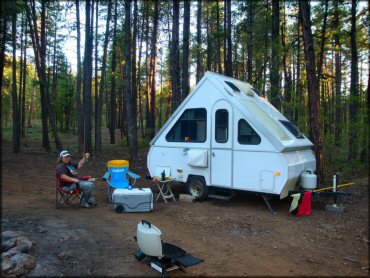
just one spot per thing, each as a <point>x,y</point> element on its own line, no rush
<point>224,135</point>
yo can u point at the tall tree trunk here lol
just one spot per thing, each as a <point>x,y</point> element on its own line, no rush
<point>32,99</point>
<point>55,74</point>
<point>175,68</point>
<point>275,57</point>
<point>322,57</point>
<point>3,24</point>
<point>49,107</point>
<point>218,48</point>
<point>16,133</point>
<point>199,41</point>
<point>23,120</point>
<point>134,78</point>
<point>298,91</point>
<point>249,41</point>
<point>147,70</point>
<point>152,71</point>
<point>112,124</point>
<point>96,82</point>
<point>338,77</point>
<point>313,88</point>
<point>243,67</point>
<point>131,120</point>
<point>236,62</point>
<point>287,75</point>
<point>353,101</point>
<point>99,106</point>
<point>322,45</point>
<point>367,99</point>
<point>265,57</point>
<point>141,120</point>
<point>169,111</point>
<point>209,39</point>
<point>225,37</point>
<point>3,33</point>
<point>40,66</point>
<point>69,101</point>
<point>162,96</point>
<point>79,108</point>
<point>185,52</point>
<point>229,60</point>
<point>92,58</point>
<point>20,105</point>
<point>87,81</point>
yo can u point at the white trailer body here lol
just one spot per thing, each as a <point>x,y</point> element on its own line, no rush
<point>228,136</point>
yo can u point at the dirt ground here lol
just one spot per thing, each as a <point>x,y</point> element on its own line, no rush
<point>235,238</point>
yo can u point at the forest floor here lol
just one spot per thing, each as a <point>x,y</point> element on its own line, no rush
<point>239,237</point>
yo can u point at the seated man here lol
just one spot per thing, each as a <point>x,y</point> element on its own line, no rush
<point>67,173</point>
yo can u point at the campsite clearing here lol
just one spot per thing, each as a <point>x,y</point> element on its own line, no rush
<point>238,237</point>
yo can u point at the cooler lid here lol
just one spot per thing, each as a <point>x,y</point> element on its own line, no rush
<point>133,191</point>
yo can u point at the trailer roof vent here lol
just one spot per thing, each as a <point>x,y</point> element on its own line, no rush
<point>246,89</point>
<point>232,86</point>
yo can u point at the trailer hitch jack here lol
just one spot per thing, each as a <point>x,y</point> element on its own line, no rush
<point>266,197</point>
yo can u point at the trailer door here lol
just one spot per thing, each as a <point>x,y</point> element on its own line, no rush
<point>221,144</point>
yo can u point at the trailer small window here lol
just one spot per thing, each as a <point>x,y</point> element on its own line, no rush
<point>190,127</point>
<point>293,129</point>
<point>232,86</point>
<point>254,90</point>
<point>222,126</point>
<point>246,134</point>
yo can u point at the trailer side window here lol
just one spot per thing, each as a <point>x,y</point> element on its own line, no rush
<point>246,134</point>
<point>190,127</point>
<point>222,126</point>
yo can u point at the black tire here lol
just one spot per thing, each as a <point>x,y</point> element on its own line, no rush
<point>197,187</point>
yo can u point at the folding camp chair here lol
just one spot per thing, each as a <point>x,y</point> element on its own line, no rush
<point>66,198</point>
<point>116,176</point>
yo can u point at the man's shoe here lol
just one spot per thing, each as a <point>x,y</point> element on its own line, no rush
<point>85,205</point>
<point>93,205</point>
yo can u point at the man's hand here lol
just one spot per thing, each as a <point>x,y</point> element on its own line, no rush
<point>83,160</point>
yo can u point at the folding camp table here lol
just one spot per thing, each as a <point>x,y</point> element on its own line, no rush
<point>165,191</point>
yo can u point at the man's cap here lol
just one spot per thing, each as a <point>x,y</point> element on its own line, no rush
<point>64,154</point>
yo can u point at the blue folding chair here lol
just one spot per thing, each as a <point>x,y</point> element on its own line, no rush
<point>116,176</point>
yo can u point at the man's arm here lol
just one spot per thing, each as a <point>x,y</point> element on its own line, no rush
<point>83,160</point>
<point>66,178</point>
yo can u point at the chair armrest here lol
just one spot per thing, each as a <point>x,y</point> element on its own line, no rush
<point>133,175</point>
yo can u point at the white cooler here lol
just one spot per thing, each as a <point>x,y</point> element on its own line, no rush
<point>134,200</point>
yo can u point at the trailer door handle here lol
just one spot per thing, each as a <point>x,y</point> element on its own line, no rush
<point>185,150</point>
<point>213,154</point>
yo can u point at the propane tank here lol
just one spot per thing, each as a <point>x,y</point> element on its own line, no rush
<point>309,180</point>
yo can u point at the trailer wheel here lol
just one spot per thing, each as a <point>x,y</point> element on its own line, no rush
<point>197,187</point>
